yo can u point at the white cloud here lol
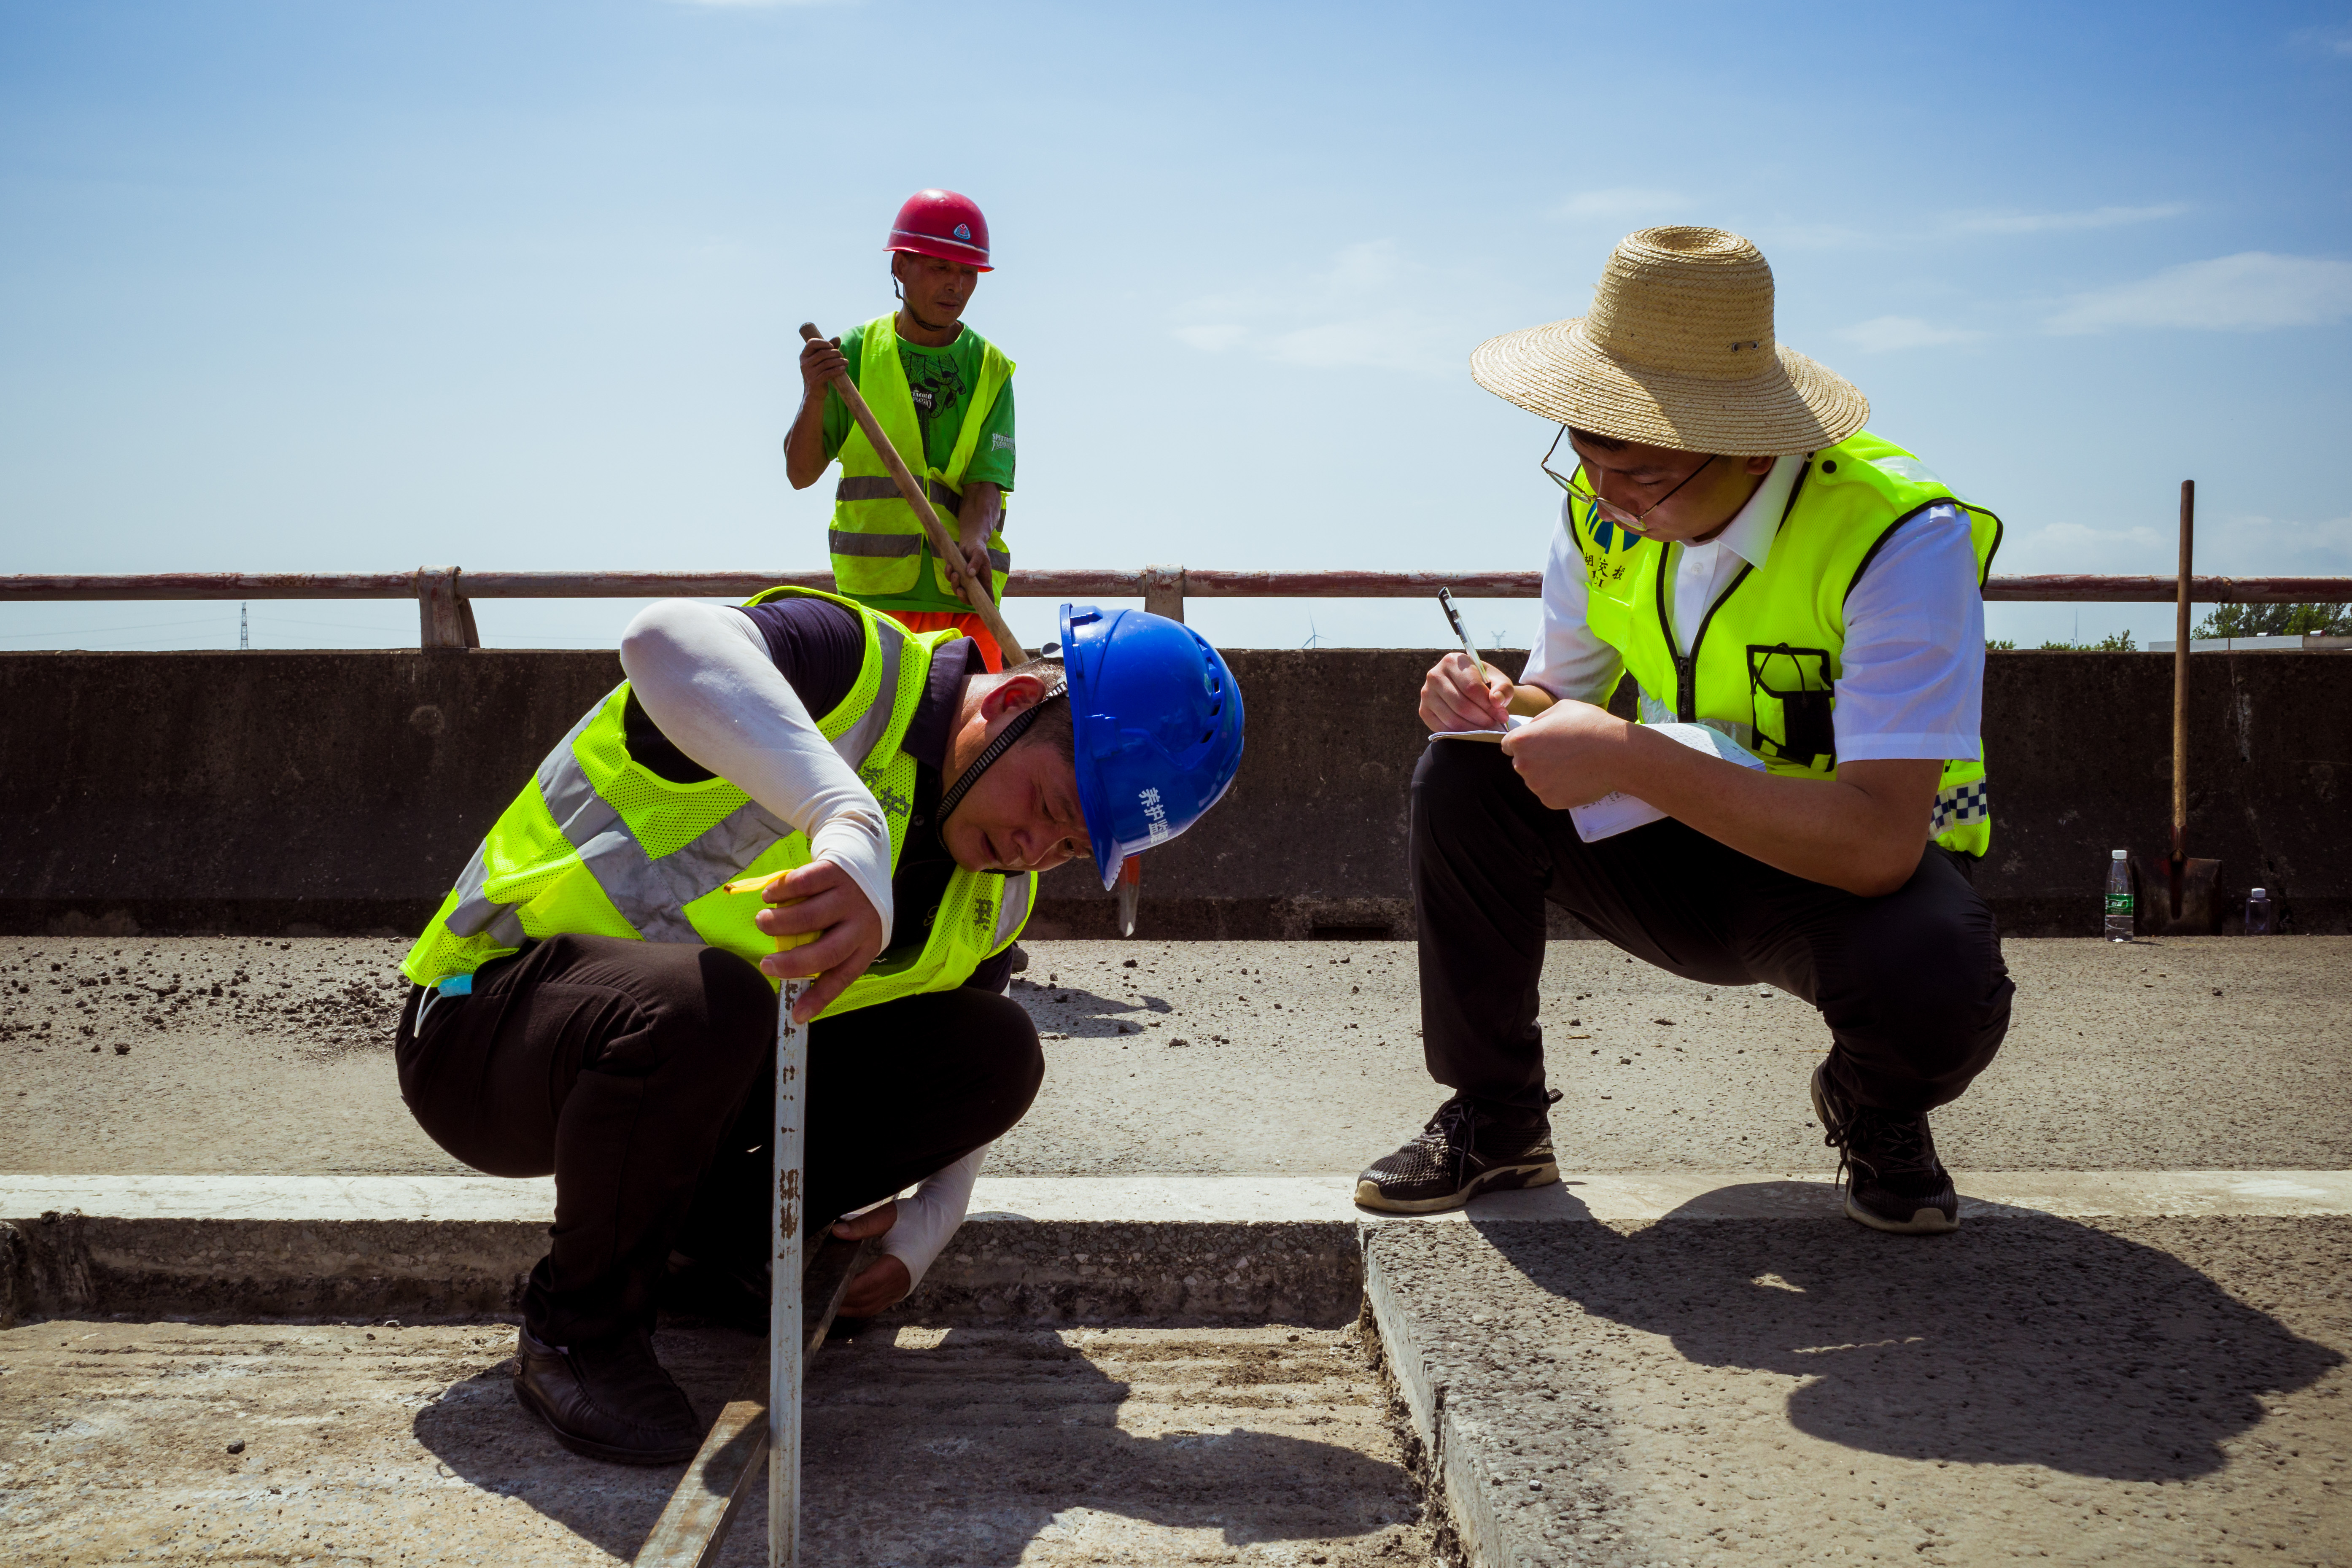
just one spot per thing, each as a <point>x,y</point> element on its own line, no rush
<point>2250,291</point>
<point>2078,547</point>
<point>2242,545</point>
<point>1391,339</point>
<point>1882,333</point>
<point>2251,545</point>
<point>2049,222</point>
<point>1371,306</point>
<point>1213,339</point>
<point>1624,203</point>
<point>2326,40</point>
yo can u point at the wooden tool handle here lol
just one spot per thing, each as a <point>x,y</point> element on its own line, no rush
<point>976,594</point>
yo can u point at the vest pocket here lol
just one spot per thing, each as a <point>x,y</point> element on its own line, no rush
<point>1791,691</point>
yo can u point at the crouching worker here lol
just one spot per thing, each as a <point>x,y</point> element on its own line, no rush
<point>590,1002</point>
<point>1798,601</point>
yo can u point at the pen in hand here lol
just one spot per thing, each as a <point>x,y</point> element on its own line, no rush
<point>1445,602</point>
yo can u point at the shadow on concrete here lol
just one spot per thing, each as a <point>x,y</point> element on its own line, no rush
<point>963,1452</point>
<point>2018,1341</point>
<point>481,1432</point>
<point>1005,1436</point>
<point>1078,1014</point>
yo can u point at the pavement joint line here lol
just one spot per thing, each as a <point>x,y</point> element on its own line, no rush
<point>1613,1197</point>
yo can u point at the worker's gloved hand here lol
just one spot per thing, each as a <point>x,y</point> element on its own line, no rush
<point>821,360</point>
<point>1571,754</point>
<point>1452,698</point>
<point>822,898</point>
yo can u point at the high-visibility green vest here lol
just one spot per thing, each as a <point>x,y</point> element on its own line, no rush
<point>879,548</point>
<point>598,845</point>
<point>1764,661</point>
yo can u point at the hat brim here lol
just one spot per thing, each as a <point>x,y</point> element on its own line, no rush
<point>1798,405</point>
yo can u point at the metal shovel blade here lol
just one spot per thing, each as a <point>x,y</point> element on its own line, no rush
<point>2200,897</point>
<point>1131,893</point>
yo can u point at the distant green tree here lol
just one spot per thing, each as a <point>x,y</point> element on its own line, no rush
<point>2121,642</point>
<point>2276,621</point>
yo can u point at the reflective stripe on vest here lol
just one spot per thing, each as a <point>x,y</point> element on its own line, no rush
<point>887,544</point>
<point>1763,664</point>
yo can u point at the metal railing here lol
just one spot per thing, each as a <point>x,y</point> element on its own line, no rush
<point>445,594</point>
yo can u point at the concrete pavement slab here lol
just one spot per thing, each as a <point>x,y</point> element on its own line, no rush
<point>1232,1057</point>
<point>348,1444</point>
<point>1802,1391</point>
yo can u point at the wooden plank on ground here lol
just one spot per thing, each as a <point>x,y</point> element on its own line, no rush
<point>694,1526</point>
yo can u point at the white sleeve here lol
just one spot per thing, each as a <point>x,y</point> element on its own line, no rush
<point>1913,685</point>
<point>927,1220</point>
<point>1567,660</point>
<point>706,679</point>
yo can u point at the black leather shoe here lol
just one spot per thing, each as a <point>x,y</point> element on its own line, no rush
<point>610,1400</point>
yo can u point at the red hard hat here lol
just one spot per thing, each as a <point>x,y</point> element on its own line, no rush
<point>944,225</point>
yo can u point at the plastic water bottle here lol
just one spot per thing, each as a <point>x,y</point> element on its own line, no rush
<point>2119,897</point>
<point>2258,912</point>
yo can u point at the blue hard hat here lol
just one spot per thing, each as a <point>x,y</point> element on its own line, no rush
<point>1158,721</point>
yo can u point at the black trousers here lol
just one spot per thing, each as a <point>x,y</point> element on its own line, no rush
<point>641,1075</point>
<point>1911,985</point>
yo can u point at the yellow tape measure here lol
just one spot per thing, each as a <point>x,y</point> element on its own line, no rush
<point>760,885</point>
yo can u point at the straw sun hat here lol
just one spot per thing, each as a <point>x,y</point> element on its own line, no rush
<point>1678,352</point>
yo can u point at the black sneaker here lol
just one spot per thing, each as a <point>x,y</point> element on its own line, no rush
<point>610,1400</point>
<point>1462,1153</point>
<point>1893,1179</point>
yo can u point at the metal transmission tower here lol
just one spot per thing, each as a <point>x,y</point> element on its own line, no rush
<point>244,643</point>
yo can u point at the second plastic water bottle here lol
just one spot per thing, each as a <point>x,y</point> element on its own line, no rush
<point>2119,897</point>
<point>2258,913</point>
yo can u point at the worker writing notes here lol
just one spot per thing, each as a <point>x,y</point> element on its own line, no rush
<point>1803,798</point>
<point>943,394</point>
<point>592,1002</point>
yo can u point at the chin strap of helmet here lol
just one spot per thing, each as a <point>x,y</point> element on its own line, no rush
<point>993,753</point>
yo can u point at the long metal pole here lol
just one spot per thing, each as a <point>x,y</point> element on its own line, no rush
<point>2178,865</point>
<point>784,1357</point>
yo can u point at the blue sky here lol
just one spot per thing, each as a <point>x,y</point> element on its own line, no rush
<point>362,286</point>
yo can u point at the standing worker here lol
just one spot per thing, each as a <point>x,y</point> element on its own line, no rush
<point>591,1000</point>
<point>945,399</point>
<point>1810,594</point>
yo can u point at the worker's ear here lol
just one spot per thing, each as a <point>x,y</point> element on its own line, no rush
<point>1012,695</point>
<point>1758,466</point>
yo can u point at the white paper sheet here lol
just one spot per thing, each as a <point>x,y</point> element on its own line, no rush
<point>1618,812</point>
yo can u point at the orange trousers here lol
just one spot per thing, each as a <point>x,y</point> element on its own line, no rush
<point>970,625</point>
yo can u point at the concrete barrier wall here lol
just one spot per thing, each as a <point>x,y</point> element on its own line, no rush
<point>323,793</point>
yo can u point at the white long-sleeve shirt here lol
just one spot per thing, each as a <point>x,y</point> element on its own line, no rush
<point>706,681</point>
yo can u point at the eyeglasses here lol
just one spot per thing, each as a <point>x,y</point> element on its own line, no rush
<point>1629,521</point>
